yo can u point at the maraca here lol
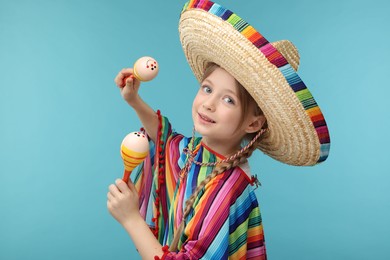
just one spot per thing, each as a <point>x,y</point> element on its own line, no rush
<point>145,69</point>
<point>134,149</point>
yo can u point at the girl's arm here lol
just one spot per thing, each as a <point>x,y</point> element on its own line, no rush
<point>123,205</point>
<point>129,87</point>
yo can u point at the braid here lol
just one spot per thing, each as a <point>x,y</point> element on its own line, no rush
<point>242,157</point>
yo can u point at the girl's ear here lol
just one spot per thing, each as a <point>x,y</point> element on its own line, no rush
<point>255,123</point>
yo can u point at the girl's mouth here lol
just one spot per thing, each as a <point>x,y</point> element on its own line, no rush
<point>205,118</point>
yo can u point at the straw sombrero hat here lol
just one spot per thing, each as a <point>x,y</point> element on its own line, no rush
<point>210,33</point>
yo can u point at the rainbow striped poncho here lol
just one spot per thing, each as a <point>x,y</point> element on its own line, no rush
<point>225,222</point>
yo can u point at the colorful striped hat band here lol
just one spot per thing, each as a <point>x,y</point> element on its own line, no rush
<point>210,33</point>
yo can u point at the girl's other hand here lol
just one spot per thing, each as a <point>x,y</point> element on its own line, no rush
<point>123,201</point>
<point>128,85</point>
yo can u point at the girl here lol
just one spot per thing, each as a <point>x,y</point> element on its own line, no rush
<point>196,194</point>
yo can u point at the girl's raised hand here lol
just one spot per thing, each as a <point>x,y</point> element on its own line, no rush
<point>128,85</point>
<point>123,201</point>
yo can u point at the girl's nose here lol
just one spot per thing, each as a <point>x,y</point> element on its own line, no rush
<point>208,105</point>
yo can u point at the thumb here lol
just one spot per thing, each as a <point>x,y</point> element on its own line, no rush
<point>132,85</point>
<point>133,81</point>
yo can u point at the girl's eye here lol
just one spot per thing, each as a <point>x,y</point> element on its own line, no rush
<point>229,100</point>
<point>207,89</point>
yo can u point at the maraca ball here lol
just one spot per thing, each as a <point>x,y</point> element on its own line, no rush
<point>145,68</point>
<point>136,141</point>
<point>134,149</point>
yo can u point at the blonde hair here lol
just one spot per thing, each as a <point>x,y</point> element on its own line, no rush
<point>239,158</point>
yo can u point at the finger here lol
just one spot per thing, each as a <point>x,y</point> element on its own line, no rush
<point>124,73</point>
<point>127,71</point>
<point>110,197</point>
<point>129,81</point>
<point>134,82</point>
<point>114,190</point>
<point>119,78</point>
<point>121,185</point>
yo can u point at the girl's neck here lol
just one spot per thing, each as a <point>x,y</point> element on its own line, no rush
<point>223,148</point>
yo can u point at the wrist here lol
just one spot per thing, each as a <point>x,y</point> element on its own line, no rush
<point>132,221</point>
<point>134,101</point>
<point>144,240</point>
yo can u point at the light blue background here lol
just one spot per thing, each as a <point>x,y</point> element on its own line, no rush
<point>62,120</point>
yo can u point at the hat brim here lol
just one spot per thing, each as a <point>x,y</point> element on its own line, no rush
<point>209,33</point>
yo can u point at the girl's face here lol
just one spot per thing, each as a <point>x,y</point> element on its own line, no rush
<point>216,110</point>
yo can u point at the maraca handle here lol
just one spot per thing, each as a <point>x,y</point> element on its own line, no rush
<point>126,176</point>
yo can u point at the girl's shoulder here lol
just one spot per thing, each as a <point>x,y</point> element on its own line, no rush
<point>239,176</point>
<point>181,141</point>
